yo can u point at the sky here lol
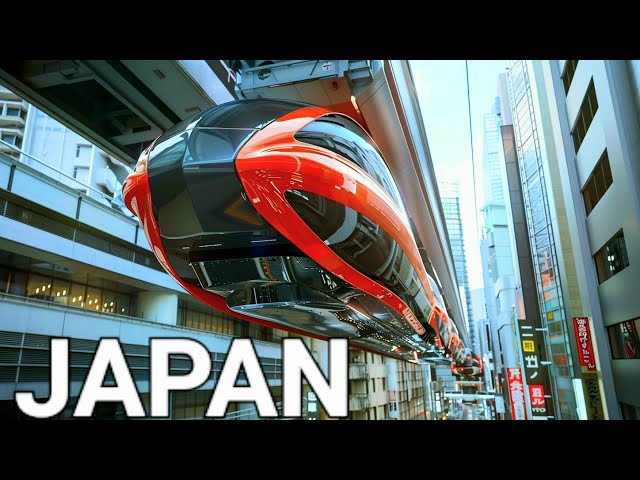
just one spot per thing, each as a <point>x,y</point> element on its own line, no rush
<point>442,91</point>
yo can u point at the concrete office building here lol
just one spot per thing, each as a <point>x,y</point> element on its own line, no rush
<point>496,255</point>
<point>588,112</point>
<point>479,310</point>
<point>383,388</point>
<point>13,115</point>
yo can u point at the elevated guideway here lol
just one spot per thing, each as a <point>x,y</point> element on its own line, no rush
<point>122,105</point>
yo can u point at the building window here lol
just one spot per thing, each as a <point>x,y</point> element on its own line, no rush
<point>63,291</point>
<point>75,172</point>
<point>624,339</point>
<point>586,113</point>
<point>10,139</point>
<point>13,112</point>
<point>598,183</point>
<point>568,73</point>
<point>630,412</point>
<point>83,151</point>
<point>612,258</point>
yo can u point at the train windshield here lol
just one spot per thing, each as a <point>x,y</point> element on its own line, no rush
<point>216,135</point>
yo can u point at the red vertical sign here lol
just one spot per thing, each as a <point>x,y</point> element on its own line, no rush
<point>516,394</point>
<point>538,403</point>
<point>585,347</point>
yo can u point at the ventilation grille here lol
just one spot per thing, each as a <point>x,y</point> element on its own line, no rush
<point>33,374</point>
<point>83,345</point>
<point>41,222</point>
<point>92,241</point>
<point>130,349</point>
<point>80,359</point>
<point>29,217</point>
<point>9,355</point>
<point>79,374</point>
<point>27,356</point>
<point>39,341</point>
<point>10,338</point>
<point>7,374</point>
<point>35,357</point>
<point>137,362</point>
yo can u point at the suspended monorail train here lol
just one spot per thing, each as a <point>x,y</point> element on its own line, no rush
<point>286,215</point>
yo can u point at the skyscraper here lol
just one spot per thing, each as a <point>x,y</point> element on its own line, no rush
<point>492,147</point>
<point>497,252</point>
<point>450,199</point>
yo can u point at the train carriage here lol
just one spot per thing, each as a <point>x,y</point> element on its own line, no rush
<point>286,215</point>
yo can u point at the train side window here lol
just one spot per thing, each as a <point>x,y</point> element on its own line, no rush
<point>374,165</point>
<point>248,114</point>
<point>215,145</point>
<point>347,139</point>
<point>347,150</point>
<point>330,140</point>
<point>168,152</point>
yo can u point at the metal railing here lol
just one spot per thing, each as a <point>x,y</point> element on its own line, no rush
<point>70,181</point>
<point>358,371</point>
<point>359,402</point>
<point>132,252</point>
<point>251,413</point>
<point>7,297</point>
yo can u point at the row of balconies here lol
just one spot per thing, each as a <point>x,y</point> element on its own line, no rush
<point>6,94</point>
<point>363,401</point>
<point>18,111</point>
<point>366,371</point>
<point>11,121</point>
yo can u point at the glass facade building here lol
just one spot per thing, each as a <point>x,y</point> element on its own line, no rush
<point>450,199</point>
<point>493,189</point>
<point>543,247</point>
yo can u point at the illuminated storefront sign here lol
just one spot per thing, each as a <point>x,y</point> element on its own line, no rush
<point>589,368</point>
<point>535,369</point>
<point>538,403</point>
<point>516,394</point>
<point>585,347</point>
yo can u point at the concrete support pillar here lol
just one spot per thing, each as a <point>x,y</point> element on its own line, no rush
<point>392,387</point>
<point>158,307</point>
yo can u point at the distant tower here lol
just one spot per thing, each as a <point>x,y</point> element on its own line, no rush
<point>450,198</point>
